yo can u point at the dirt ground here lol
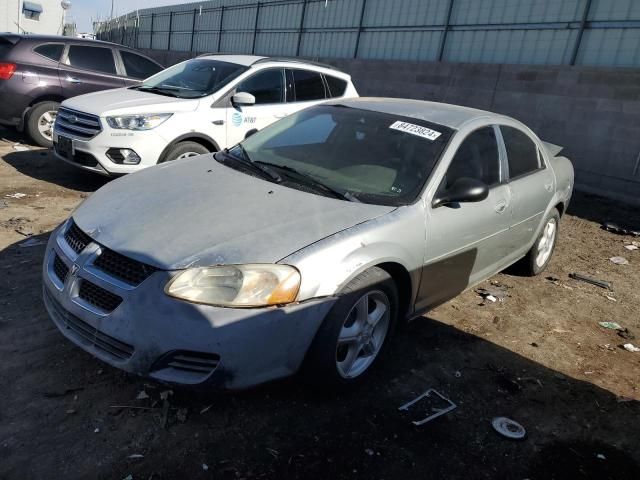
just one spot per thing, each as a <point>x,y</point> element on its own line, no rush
<point>539,357</point>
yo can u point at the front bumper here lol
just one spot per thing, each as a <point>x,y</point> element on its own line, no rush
<point>154,335</point>
<point>91,154</point>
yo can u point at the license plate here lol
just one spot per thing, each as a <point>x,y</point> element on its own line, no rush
<point>65,146</point>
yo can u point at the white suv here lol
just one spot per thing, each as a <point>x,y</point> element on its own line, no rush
<point>197,106</point>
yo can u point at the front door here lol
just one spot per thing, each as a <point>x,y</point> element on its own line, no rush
<point>86,69</point>
<point>467,242</point>
<point>268,88</point>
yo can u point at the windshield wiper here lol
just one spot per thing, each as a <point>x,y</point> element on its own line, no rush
<point>246,160</point>
<point>306,179</point>
<point>160,90</point>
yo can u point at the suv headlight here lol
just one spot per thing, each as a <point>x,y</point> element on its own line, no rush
<point>252,285</point>
<point>138,122</point>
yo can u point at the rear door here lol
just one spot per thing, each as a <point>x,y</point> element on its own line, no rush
<point>268,88</point>
<point>88,68</point>
<point>531,182</point>
<point>135,68</point>
<point>304,88</point>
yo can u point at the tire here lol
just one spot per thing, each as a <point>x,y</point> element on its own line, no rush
<point>541,252</point>
<point>327,361</point>
<point>39,125</point>
<point>183,150</point>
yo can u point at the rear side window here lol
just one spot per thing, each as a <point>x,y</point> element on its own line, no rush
<point>337,86</point>
<point>267,86</point>
<point>99,59</point>
<point>137,66</point>
<point>52,51</point>
<point>308,85</point>
<point>522,153</point>
<point>477,157</point>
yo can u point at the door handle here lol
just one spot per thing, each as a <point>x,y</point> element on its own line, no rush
<point>217,122</point>
<point>73,79</point>
<point>501,206</point>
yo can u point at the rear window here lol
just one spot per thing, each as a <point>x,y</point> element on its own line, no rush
<point>99,59</point>
<point>137,66</point>
<point>337,86</point>
<point>308,85</point>
<point>52,51</point>
<point>522,153</point>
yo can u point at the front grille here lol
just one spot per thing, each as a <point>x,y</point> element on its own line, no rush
<point>60,269</point>
<point>186,361</point>
<point>98,296</point>
<point>88,334</point>
<point>76,238</point>
<point>77,124</point>
<point>123,268</point>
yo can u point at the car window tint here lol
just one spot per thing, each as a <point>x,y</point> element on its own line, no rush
<point>313,130</point>
<point>337,86</point>
<point>308,85</point>
<point>477,157</point>
<point>52,51</point>
<point>522,153</point>
<point>99,59</point>
<point>267,86</point>
<point>138,67</point>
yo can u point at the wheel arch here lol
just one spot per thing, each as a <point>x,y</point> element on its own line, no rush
<point>199,138</point>
<point>403,282</point>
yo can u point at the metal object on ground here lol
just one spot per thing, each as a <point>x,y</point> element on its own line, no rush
<point>438,413</point>
<point>591,280</point>
<point>508,428</point>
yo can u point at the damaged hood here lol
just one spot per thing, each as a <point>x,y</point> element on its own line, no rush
<point>197,212</point>
<point>122,101</point>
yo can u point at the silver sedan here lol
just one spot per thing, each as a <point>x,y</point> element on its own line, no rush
<point>302,247</point>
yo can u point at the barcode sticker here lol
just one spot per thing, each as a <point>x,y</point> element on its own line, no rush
<point>417,130</point>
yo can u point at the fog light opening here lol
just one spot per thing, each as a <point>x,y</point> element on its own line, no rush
<point>123,156</point>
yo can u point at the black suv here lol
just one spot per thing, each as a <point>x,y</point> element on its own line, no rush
<point>38,72</point>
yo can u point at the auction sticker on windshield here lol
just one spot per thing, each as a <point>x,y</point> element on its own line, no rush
<point>423,132</point>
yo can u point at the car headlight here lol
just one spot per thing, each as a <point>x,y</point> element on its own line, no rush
<point>252,285</point>
<point>138,122</point>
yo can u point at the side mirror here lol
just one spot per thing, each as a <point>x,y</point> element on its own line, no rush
<point>463,190</point>
<point>243,98</point>
<point>250,132</point>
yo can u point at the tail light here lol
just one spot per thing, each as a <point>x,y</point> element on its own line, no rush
<point>7,70</point>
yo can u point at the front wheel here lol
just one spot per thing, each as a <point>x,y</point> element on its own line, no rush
<point>540,254</point>
<point>355,332</point>
<point>183,150</point>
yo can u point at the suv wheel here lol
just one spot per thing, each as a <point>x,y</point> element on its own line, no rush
<point>183,150</point>
<point>40,123</point>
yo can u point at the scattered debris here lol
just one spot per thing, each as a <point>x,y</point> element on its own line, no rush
<point>32,242</point>
<point>16,195</point>
<point>626,334</point>
<point>181,415</point>
<point>493,294</point>
<point>508,428</point>
<point>631,247</point>
<point>609,297</point>
<point>438,411</point>
<point>457,374</point>
<point>619,260</point>
<point>20,148</point>
<point>611,325</point>
<point>629,347</point>
<point>97,430</point>
<point>591,280</point>
<point>3,204</point>
<point>601,456</point>
<point>205,467</point>
<point>71,411</point>
<point>560,330</point>
<point>164,395</point>
<point>128,477</point>
<point>136,455</point>
<point>142,395</point>
<point>205,409</point>
<point>369,452</point>
<point>607,346</point>
<point>619,229</point>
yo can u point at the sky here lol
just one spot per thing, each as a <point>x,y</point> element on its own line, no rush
<point>84,11</point>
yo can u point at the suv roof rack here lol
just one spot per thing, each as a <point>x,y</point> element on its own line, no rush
<point>294,60</point>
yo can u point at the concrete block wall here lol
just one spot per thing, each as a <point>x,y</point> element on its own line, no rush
<point>593,112</point>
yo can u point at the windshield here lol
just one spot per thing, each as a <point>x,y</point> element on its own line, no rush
<point>194,78</point>
<point>366,156</point>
